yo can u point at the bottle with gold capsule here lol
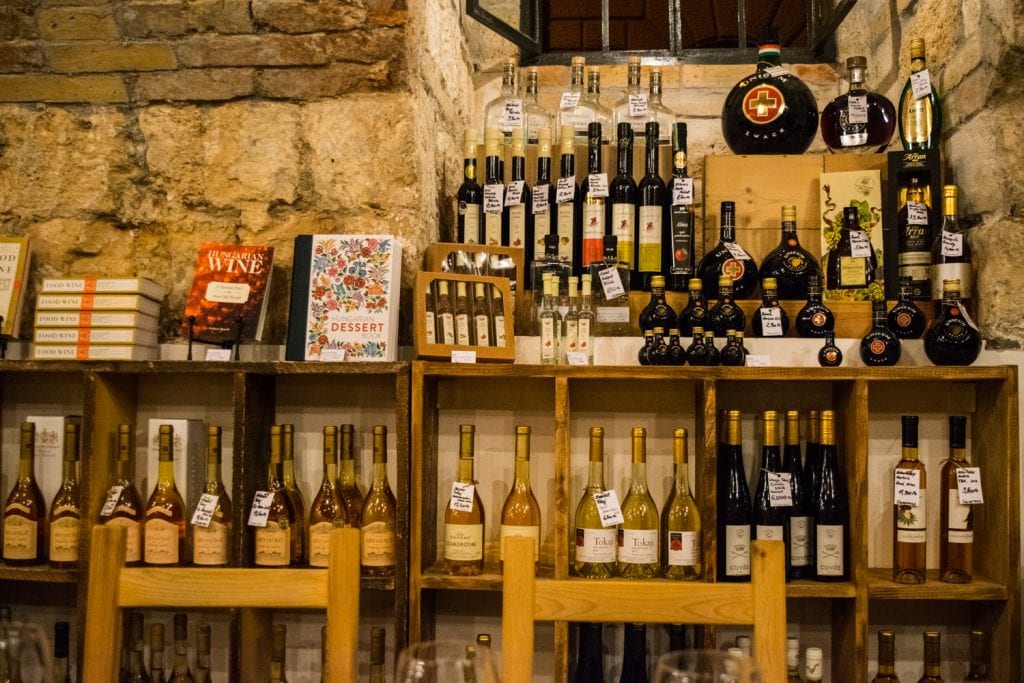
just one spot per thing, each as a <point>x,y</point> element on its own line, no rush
<point>25,512</point>
<point>277,654</point>
<point>956,551</point>
<point>66,510</point>
<point>932,658</point>
<point>124,505</point>
<point>203,653</point>
<point>979,656</point>
<point>595,543</point>
<point>273,542</point>
<point>164,535</point>
<point>326,512</point>
<point>377,654</point>
<point>298,536</point>
<point>211,542</point>
<point>681,556</point>
<point>348,488</point>
<point>886,658</point>
<point>464,524</point>
<point>638,533</point>
<point>378,517</point>
<point>520,514</point>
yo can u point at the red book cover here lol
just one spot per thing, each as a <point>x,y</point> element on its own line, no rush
<point>230,283</point>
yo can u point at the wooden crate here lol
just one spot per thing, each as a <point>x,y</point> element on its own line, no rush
<point>440,255</point>
<point>441,352</point>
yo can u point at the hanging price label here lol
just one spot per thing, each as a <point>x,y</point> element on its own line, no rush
<point>462,497</point>
<point>204,510</point>
<point>577,358</point>
<point>611,283</point>
<point>113,495</point>
<point>512,115</point>
<point>540,199</point>
<point>907,489</point>
<point>608,507</point>
<point>493,198</point>
<point>952,244</point>
<point>638,105</point>
<point>682,191</point>
<point>565,191</point>
<point>771,322</point>
<point>463,356</point>
<point>917,213</point>
<point>260,510</point>
<point>968,484</point>
<point>857,109</point>
<point>860,245</point>
<point>597,184</point>
<point>736,250</point>
<point>780,489</point>
<point>514,193</point>
<point>921,84</point>
<point>569,100</point>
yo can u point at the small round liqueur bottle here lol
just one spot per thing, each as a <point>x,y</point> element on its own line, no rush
<point>770,319</point>
<point>879,346</point>
<point>725,314</point>
<point>732,353</point>
<point>906,320</point>
<point>792,266</point>
<point>713,357</point>
<point>657,312</point>
<point>644,354</point>
<point>695,312</point>
<point>696,352</point>
<point>815,318</point>
<point>858,121</point>
<point>830,356</point>
<point>952,338</point>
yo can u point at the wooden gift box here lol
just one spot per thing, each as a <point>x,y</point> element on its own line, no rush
<point>443,352</point>
<point>439,254</point>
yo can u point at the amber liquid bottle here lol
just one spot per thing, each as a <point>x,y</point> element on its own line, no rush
<point>273,542</point>
<point>211,543</point>
<point>520,514</point>
<point>910,531</point>
<point>127,509</point>
<point>886,658</point>
<point>378,518</point>
<point>164,535</point>
<point>66,510</point>
<point>956,550</point>
<point>978,670</point>
<point>348,488</point>
<point>851,264</point>
<point>464,528</point>
<point>932,658</point>
<point>24,536</point>
<point>298,535</point>
<point>326,512</point>
<point>914,234</point>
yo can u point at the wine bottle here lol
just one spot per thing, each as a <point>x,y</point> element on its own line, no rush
<point>956,550</point>
<point>612,295</point>
<point>135,644</point>
<point>203,653</point>
<point>462,316</point>
<point>594,190</point>
<point>681,553</point>
<point>520,513</point>
<point>728,258</point>
<point>550,325</point>
<point>623,198</point>
<point>696,353</point>
<point>812,456</point>
<point>676,353</point>
<point>914,235</point>
<point>494,228</point>
<point>537,117</point>
<point>644,354</point>
<point>482,335</point>
<point>156,653</point>
<point>813,667</point>
<point>657,312</point>
<point>713,356</point>
<point>732,353</point>
<point>634,654</point>
<point>211,542</point>
<point>920,109</point>
<point>578,113</point>
<point>725,314</point>
<point>327,511</point>
<point>571,321</point>
<point>932,658</point>
<point>273,542</point>
<point>592,99</point>
<point>542,198</point>
<point>66,509</point>
<point>905,319</point>
<point>801,559</point>
<point>679,196</point>
<point>879,346</point>
<point>470,196</point>
<point>815,318</point>
<point>277,653</point>
<point>124,505</point>
<point>832,510</point>
<point>589,654</point>
<point>886,658</point>
<point>792,266</point>
<point>978,663</point>
<point>694,314</point>
<point>735,516</point>
<point>658,111</point>
<point>851,263</point>
<point>793,661</point>
<point>952,338</point>
<point>631,112</point>
<point>498,307</point>
<point>298,532</point>
<point>910,518</point>
<point>830,356</point>
<point>25,510</point>
<point>770,319</point>
<point>348,488</point>
<point>951,253</point>
<point>443,313</point>
<point>378,517</point>
<point>61,651</point>
<point>584,333</point>
<point>504,113</point>
<point>181,672</point>
<point>654,237</point>
<point>518,217</point>
<point>377,654</point>
<point>464,516</point>
<point>771,518</point>
<point>859,120</point>
<point>164,534</point>
<point>638,533</point>
<point>595,543</point>
<point>569,206</point>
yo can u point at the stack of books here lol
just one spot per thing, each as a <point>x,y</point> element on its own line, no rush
<point>92,318</point>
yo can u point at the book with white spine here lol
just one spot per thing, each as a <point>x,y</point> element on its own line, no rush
<point>99,335</point>
<point>104,285</point>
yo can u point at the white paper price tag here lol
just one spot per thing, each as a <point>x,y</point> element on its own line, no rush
<point>569,100</point>
<point>952,244</point>
<point>204,510</point>
<point>758,360</point>
<point>780,489</point>
<point>597,184</point>
<point>514,193</point>
<point>608,507</point>
<point>860,245</point>
<point>540,198</point>
<point>462,356</point>
<point>968,484</point>
<point>462,497</point>
<point>857,109</point>
<point>917,213</point>
<point>113,495</point>
<point>218,354</point>
<point>260,510</point>
<point>493,195</point>
<point>682,191</point>
<point>776,71</point>
<point>611,283</point>
<point>907,489</point>
<point>565,191</point>
<point>771,322</point>
<point>736,250</point>
<point>577,358</point>
<point>638,105</point>
<point>512,116</point>
<point>921,84</point>
<point>328,355</point>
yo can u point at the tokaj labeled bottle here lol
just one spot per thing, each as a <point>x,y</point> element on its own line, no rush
<point>910,530</point>
<point>725,315</point>
<point>594,191</point>
<point>801,558</point>
<point>679,196</point>
<point>470,196</point>
<point>852,263</point>
<point>815,319</point>
<point>979,657</point>
<point>638,533</point>
<point>728,258</point>
<point>623,200</point>
<point>956,549</point>
<point>124,505</point>
<point>951,253</point>
<point>735,516</point>
<point>164,535</point>
<point>181,673</point>
<point>66,509</point>
<point>569,205</point>
<point>520,514</point>
<point>298,535</point>
<point>932,658</point>
<point>273,537</point>
<point>920,109</point>
<point>326,512</point>
<point>770,319</point>
<point>634,654</point>
<point>595,541</point>
<point>25,511</point>
<point>589,654</point>
<point>211,527</point>
<point>831,510</point>
<point>681,554</point>
<point>879,346</point>
<point>905,319</point>
<point>379,516</point>
<point>464,516</point>
<point>653,240</point>
<point>518,216</point>
<point>348,488</point>
<point>952,338</point>
<point>886,658</point>
<point>859,120</point>
<point>771,517</point>
<point>792,266</point>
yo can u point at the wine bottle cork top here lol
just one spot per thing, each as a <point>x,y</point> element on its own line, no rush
<point>673,332</point>
<point>330,429</point>
<point>695,283</point>
<point>789,213</point>
<point>460,289</point>
<point>511,61</point>
<point>568,140</point>
<point>579,61</point>
<point>659,330</point>
<point>917,47</point>
<point>709,334</point>
<point>950,191</point>
<point>698,331</point>
<point>657,281</point>
<point>633,61</point>
<point>442,287</point>
<point>724,281</point>
<point>478,289</point>
<point>532,71</point>
<point>857,62</point>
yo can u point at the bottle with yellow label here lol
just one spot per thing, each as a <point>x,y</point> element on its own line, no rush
<point>25,511</point>
<point>379,515</point>
<point>123,506</point>
<point>327,510</point>
<point>164,537</point>
<point>66,510</point>
<point>211,541</point>
<point>273,541</point>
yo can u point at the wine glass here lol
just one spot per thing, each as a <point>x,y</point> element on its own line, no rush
<point>445,661</point>
<point>24,653</point>
<point>705,666</point>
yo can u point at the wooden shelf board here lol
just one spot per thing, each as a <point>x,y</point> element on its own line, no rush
<point>490,580</point>
<point>820,589</point>
<point>38,574</point>
<point>882,587</point>
<point>206,367</point>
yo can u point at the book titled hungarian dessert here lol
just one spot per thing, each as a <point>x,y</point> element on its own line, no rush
<point>14,257</point>
<point>229,289</point>
<point>344,303</point>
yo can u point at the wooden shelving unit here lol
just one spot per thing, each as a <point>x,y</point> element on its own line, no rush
<point>562,402</point>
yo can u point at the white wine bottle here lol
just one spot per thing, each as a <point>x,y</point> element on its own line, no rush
<point>638,534</point>
<point>464,516</point>
<point>520,515</point>
<point>681,556</point>
<point>595,543</point>
<point>378,518</point>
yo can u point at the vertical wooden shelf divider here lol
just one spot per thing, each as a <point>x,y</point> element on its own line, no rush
<point>563,504</point>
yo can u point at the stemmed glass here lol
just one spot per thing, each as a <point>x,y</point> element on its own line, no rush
<point>705,666</point>
<point>445,661</point>
<point>24,653</point>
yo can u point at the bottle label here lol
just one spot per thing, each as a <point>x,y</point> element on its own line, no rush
<point>548,345</point>
<point>682,241</point>
<point>511,114</point>
<point>462,329</point>
<point>378,545</point>
<point>911,524</point>
<point>480,328</point>
<point>64,535</point>
<point>952,244</point>
<point>569,100</point>
<point>763,103</point>
<point>920,84</point>
<point>917,214</point>
<point>637,104</point>
<point>494,199</point>
<point>960,536</point>
<point>650,239</point>
<point>273,545</point>
<point>20,538</point>
<point>852,271</point>
<point>133,533</point>
<point>612,315</point>
<point>461,498</point>
<point>737,550</point>
<point>830,549</point>
<point>583,342</point>
<point>464,542</point>
<point>951,271</point>
<point>857,111</point>
<point>447,328</point>
<point>492,229</point>
<point>160,542</point>
<point>517,225</point>
<point>430,329</point>
<point>540,203</point>
<point>596,545</point>
<point>204,511</point>
<point>769,532</point>
<point>113,495</point>
<point>799,542</point>
<point>541,227</point>
<point>623,227</point>
<point>532,531</point>
<point>566,218</point>
<point>593,233</point>
<point>683,548</point>
<point>571,338</point>
<point>771,321</point>
<point>471,222</point>
<point>638,546</point>
<point>959,514</point>
<point>320,544</point>
<point>499,330</point>
<point>917,121</point>
<point>780,489</point>
<point>210,545</point>
<point>968,483</point>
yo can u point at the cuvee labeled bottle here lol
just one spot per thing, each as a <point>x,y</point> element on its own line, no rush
<point>348,488</point>
<point>623,199</point>
<point>815,318</point>
<point>653,240</point>
<point>951,252</point>
<point>595,542</point>
<point>66,509</point>
<point>679,196</point>
<point>681,553</point>
<point>886,658</point>
<point>771,517</point>
<point>326,511</point>
<point>181,672</point>
<point>880,346</point>
<point>211,541</point>
<point>272,540</point>
<point>590,654</point>
<point>298,535</point>
<point>634,654</point>
<point>638,533</point>
<point>792,266</point>
<point>832,510</point>
<point>464,516</point>
<point>378,518</point>
<point>470,196</point>
<point>124,505</point>
<point>952,338</point>
<point>164,535</point>
<point>812,454</point>
<point>920,109</point>
<point>770,319</point>
<point>728,258</point>
<point>735,516</point>
<point>932,658</point>
<point>905,319</point>
<point>910,530</point>
<point>956,550</point>
<point>801,559</point>
<point>520,513</point>
<point>851,263</point>
<point>25,511</point>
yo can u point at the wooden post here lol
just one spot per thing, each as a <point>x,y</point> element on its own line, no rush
<point>517,613</point>
<point>102,615</point>
<point>343,606</point>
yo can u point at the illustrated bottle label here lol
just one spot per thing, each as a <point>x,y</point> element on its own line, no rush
<point>959,521</point>
<point>650,239</point>
<point>638,546</point>
<point>492,229</point>
<point>682,240</point>
<point>737,550</point>
<point>273,545</point>
<point>548,348</point>
<point>683,548</point>
<point>378,545</point>
<point>64,539</point>
<point>566,217</point>
<point>20,540</point>
<point>799,543</point>
<point>471,222</point>
<point>320,544</point>
<point>447,328</point>
<point>623,222</point>
<point>596,545</point>
<point>911,523</point>
<point>480,326</point>
<point>161,542</point>
<point>429,326</point>
<point>767,532</point>
<point>210,544</point>
<point>830,549</point>
<point>852,271</point>
<point>499,330</point>
<point>464,542</point>
<point>133,533</point>
<point>571,339</point>
<point>513,530</point>
<point>583,336</point>
<point>593,233</point>
<point>517,225</point>
<point>541,227</point>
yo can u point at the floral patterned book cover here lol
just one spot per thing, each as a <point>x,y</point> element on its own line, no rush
<point>344,303</point>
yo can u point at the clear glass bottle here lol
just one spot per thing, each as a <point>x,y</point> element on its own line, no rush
<point>348,487</point>
<point>602,114</point>
<point>550,263</point>
<point>585,319</point>
<point>612,296</point>
<point>770,319</point>
<point>520,513</point>
<point>273,541</point>
<point>623,198</point>
<point>164,535</point>
<point>659,113</point>
<point>956,549</point>
<point>443,314</point>
<point>594,542</point>
<point>952,338</point>
<point>735,515</point>
<point>951,252</point>
<point>127,510</point>
<point>211,543</point>
<point>298,535</point>
<point>464,515</point>
<point>886,658</point>
<point>910,530</point>
<point>575,112</point>
<point>470,196</point>
<point>920,109</point>
<point>728,258</point>
<point>537,117</point>
<point>880,346</point>
<point>793,661</point>
<point>506,112</point>
<point>550,324</point>
<point>25,510</point>
<point>379,515</point>
<point>571,320</point>
<point>66,509</point>
<point>681,551</point>
<point>858,121</point>
<point>638,533</point>
<point>181,672</point>
<point>327,511</point>
<point>679,196</point>
<point>462,316</point>
<point>633,108</point>
<point>792,266</point>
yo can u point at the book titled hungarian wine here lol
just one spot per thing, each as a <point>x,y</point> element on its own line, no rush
<point>344,303</point>
<point>229,288</point>
<point>14,257</point>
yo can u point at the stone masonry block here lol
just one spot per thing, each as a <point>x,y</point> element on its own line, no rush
<point>77,23</point>
<point>303,16</point>
<point>366,47</point>
<point>262,50</point>
<point>193,85</point>
<point>317,82</point>
<point>149,18</point>
<point>49,88</point>
<point>221,16</point>
<point>20,55</point>
<point>79,57</point>
<point>16,24</point>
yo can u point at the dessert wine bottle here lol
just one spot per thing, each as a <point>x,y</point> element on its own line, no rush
<point>25,510</point>
<point>273,542</point>
<point>595,543</point>
<point>735,516</point>
<point>681,554</point>
<point>181,672</point>
<point>211,543</point>
<point>932,658</point>
<point>910,518</point>
<point>520,514</point>
<point>277,653</point>
<point>728,258</point>
<point>859,120</point>
<point>124,505</point>
<point>956,549</point>
<point>348,488</point>
<point>378,518</point>
<point>792,266</point>
<point>464,516</point>
<point>920,112</point>
<point>326,512</point>
<point>66,509</point>
<point>638,533</point>
<point>914,237</point>
<point>952,338</point>
<point>291,487</point>
<point>164,535</point>
<point>886,658</point>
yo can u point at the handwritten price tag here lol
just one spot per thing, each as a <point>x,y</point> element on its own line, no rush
<point>565,191</point>
<point>204,510</point>
<point>917,213</point>
<point>540,198</point>
<point>598,184</point>
<point>113,495</point>
<point>493,198</point>
<point>771,322</point>
<point>462,497</point>
<point>857,109</point>
<point>608,507</point>
<point>968,484</point>
<point>514,193</point>
<point>780,489</point>
<point>860,245</point>
<point>682,191</point>
<point>907,489</point>
<point>569,100</point>
<point>259,513</point>
<point>611,283</point>
<point>512,116</point>
<point>638,105</point>
<point>921,84</point>
<point>952,244</point>
<point>736,250</point>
